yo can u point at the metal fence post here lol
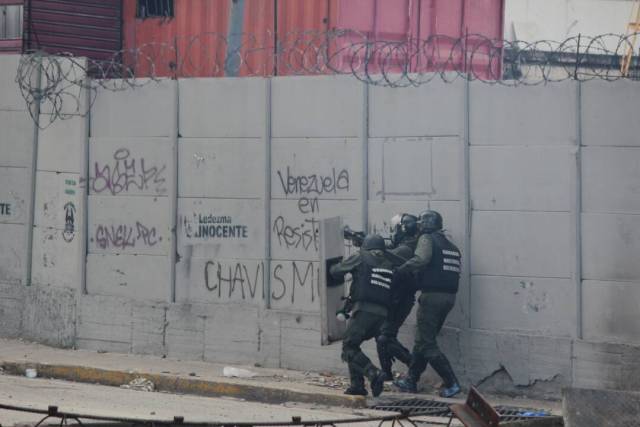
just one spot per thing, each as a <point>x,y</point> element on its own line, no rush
<point>267,194</point>
<point>466,153</point>
<point>578,212</point>
<point>173,254</point>
<point>364,138</point>
<point>31,200</point>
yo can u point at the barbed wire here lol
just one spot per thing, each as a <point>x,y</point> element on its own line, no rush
<point>68,83</point>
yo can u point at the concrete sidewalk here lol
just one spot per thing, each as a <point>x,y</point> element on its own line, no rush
<point>273,386</point>
<point>175,376</point>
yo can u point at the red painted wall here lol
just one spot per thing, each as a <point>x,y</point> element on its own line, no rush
<point>193,43</point>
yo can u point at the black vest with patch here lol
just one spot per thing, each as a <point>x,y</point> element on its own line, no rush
<point>374,281</point>
<point>443,272</point>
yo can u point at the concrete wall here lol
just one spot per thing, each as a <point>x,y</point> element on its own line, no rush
<point>194,231</point>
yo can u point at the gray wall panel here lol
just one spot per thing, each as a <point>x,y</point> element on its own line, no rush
<point>221,228</point>
<point>610,311</point>
<point>536,115</point>
<point>294,231</point>
<point>61,145</point>
<point>104,323</point>
<point>609,113</point>
<point>429,110</point>
<point>139,277</point>
<point>56,257</point>
<point>521,244</point>
<point>611,179</point>
<point>129,225</point>
<point>316,168</point>
<point>294,285</point>
<point>11,98</point>
<point>534,305</point>
<point>521,178</point>
<point>415,168</point>
<point>210,168</point>
<point>50,316</point>
<point>16,140</point>
<point>325,106</point>
<point>130,166</point>
<point>220,280</point>
<point>227,108</point>
<point>611,247</point>
<point>12,299</point>
<point>145,110</point>
<point>12,253</point>
<point>185,332</point>
<point>58,194</point>
<point>14,195</point>
<point>236,344</point>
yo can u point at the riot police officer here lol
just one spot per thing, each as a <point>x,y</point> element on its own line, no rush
<point>404,240</point>
<point>438,261</point>
<point>372,269</point>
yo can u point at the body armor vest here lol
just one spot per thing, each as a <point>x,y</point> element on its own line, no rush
<point>374,283</point>
<point>443,272</point>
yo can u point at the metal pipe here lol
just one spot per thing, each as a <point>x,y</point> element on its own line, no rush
<point>35,111</point>
<point>234,39</point>
<point>267,195</point>
<point>85,192</point>
<point>578,212</point>
<point>173,254</point>
<point>364,138</point>
<point>466,170</point>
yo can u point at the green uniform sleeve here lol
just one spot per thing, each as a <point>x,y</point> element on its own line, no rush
<point>421,256</point>
<point>345,266</point>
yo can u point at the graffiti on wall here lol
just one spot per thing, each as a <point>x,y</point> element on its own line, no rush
<point>292,282</point>
<point>69,230</point>
<point>212,226</point>
<point>123,236</point>
<point>304,233</point>
<point>125,173</point>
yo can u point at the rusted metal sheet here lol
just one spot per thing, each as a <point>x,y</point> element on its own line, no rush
<point>82,27</point>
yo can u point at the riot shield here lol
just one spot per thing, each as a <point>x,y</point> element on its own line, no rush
<point>331,291</point>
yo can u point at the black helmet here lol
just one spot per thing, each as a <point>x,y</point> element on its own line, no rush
<point>373,241</point>
<point>409,224</point>
<point>430,221</point>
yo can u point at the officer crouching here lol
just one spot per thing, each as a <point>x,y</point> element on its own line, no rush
<point>372,270</point>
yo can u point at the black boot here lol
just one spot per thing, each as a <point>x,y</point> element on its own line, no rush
<point>356,388</point>
<point>376,380</point>
<point>385,359</point>
<point>443,368</point>
<point>409,384</point>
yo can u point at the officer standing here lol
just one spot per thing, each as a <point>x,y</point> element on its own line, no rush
<point>404,240</point>
<point>438,261</point>
<point>372,269</point>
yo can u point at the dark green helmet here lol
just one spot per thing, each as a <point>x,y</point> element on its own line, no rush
<point>409,224</point>
<point>430,221</point>
<point>373,241</point>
